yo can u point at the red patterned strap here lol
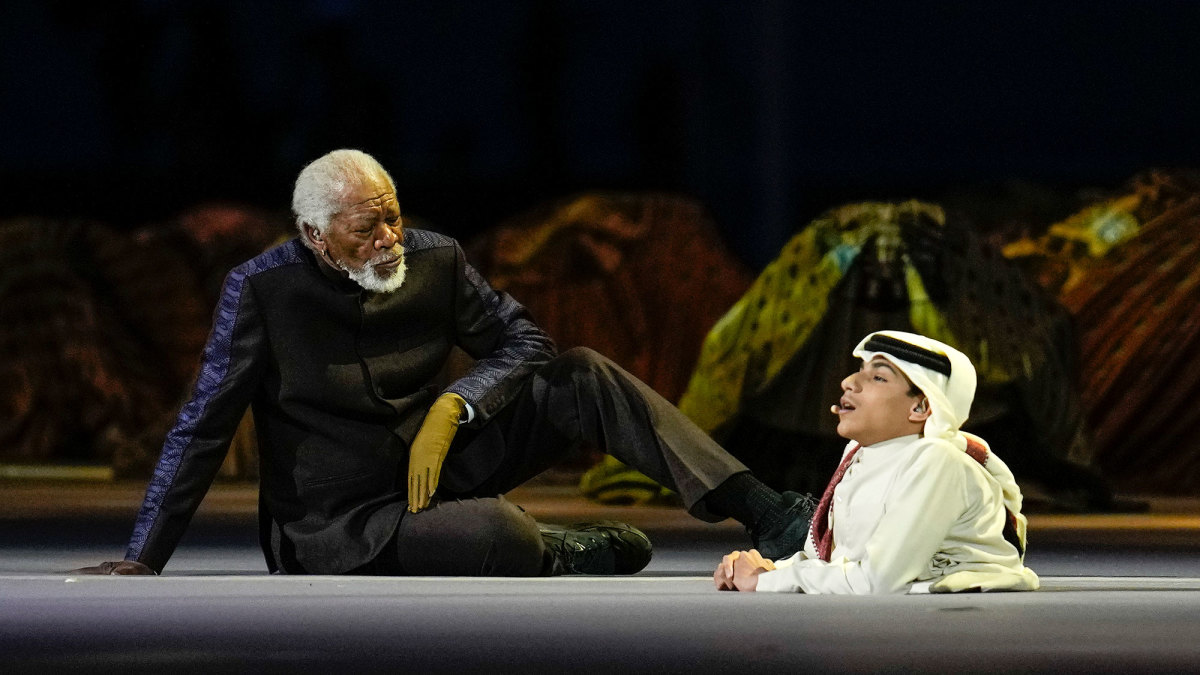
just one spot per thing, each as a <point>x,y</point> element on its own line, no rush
<point>822,534</point>
<point>977,451</point>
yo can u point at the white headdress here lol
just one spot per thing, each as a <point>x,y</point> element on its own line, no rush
<point>944,374</point>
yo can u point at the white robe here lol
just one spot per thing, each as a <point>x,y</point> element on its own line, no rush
<point>910,509</point>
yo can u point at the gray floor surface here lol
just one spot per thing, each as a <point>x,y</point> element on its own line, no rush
<point>1121,594</point>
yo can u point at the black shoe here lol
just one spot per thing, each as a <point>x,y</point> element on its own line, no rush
<point>788,538</point>
<point>604,547</point>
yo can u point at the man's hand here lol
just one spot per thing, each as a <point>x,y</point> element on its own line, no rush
<point>121,567</point>
<point>739,571</point>
<point>723,577</point>
<point>429,449</point>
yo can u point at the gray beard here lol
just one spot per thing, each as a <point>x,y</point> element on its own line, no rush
<point>371,280</point>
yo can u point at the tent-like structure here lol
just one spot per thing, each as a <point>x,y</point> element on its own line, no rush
<point>1126,269</point>
<point>102,329</point>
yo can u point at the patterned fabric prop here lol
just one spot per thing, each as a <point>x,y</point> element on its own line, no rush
<point>1126,269</point>
<point>638,278</point>
<point>102,330</point>
<point>92,331</point>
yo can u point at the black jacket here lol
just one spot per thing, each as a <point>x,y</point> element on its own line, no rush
<point>339,379</point>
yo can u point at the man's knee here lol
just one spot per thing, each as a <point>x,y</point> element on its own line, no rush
<point>516,540</point>
<point>579,360</point>
<point>587,372</point>
<point>472,537</point>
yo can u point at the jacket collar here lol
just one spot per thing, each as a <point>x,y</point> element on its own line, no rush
<point>334,276</point>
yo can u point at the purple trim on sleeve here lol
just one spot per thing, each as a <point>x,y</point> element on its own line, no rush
<point>213,370</point>
<point>419,240</point>
<point>523,340</point>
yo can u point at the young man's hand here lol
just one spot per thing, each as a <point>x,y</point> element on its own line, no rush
<point>739,571</point>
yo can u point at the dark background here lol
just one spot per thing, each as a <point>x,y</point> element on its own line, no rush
<point>768,112</point>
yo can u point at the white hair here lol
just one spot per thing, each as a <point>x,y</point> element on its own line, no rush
<point>322,186</point>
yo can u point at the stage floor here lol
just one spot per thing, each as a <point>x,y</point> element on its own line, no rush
<point>1121,593</point>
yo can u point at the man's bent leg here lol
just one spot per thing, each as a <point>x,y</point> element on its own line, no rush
<point>583,396</point>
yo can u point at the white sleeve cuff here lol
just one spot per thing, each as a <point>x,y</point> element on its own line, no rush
<point>777,581</point>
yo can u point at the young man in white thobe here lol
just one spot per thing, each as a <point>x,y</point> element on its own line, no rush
<point>917,505</point>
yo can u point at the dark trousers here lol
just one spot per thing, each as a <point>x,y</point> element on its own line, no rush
<point>578,396</point>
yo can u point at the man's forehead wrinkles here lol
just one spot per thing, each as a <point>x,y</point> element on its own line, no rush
<point>377,200</point>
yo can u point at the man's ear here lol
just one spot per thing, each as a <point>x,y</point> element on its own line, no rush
<point>314,238</point>
<point>920,411</point>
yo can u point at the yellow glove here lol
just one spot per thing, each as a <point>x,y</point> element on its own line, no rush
<point>429,448</point>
